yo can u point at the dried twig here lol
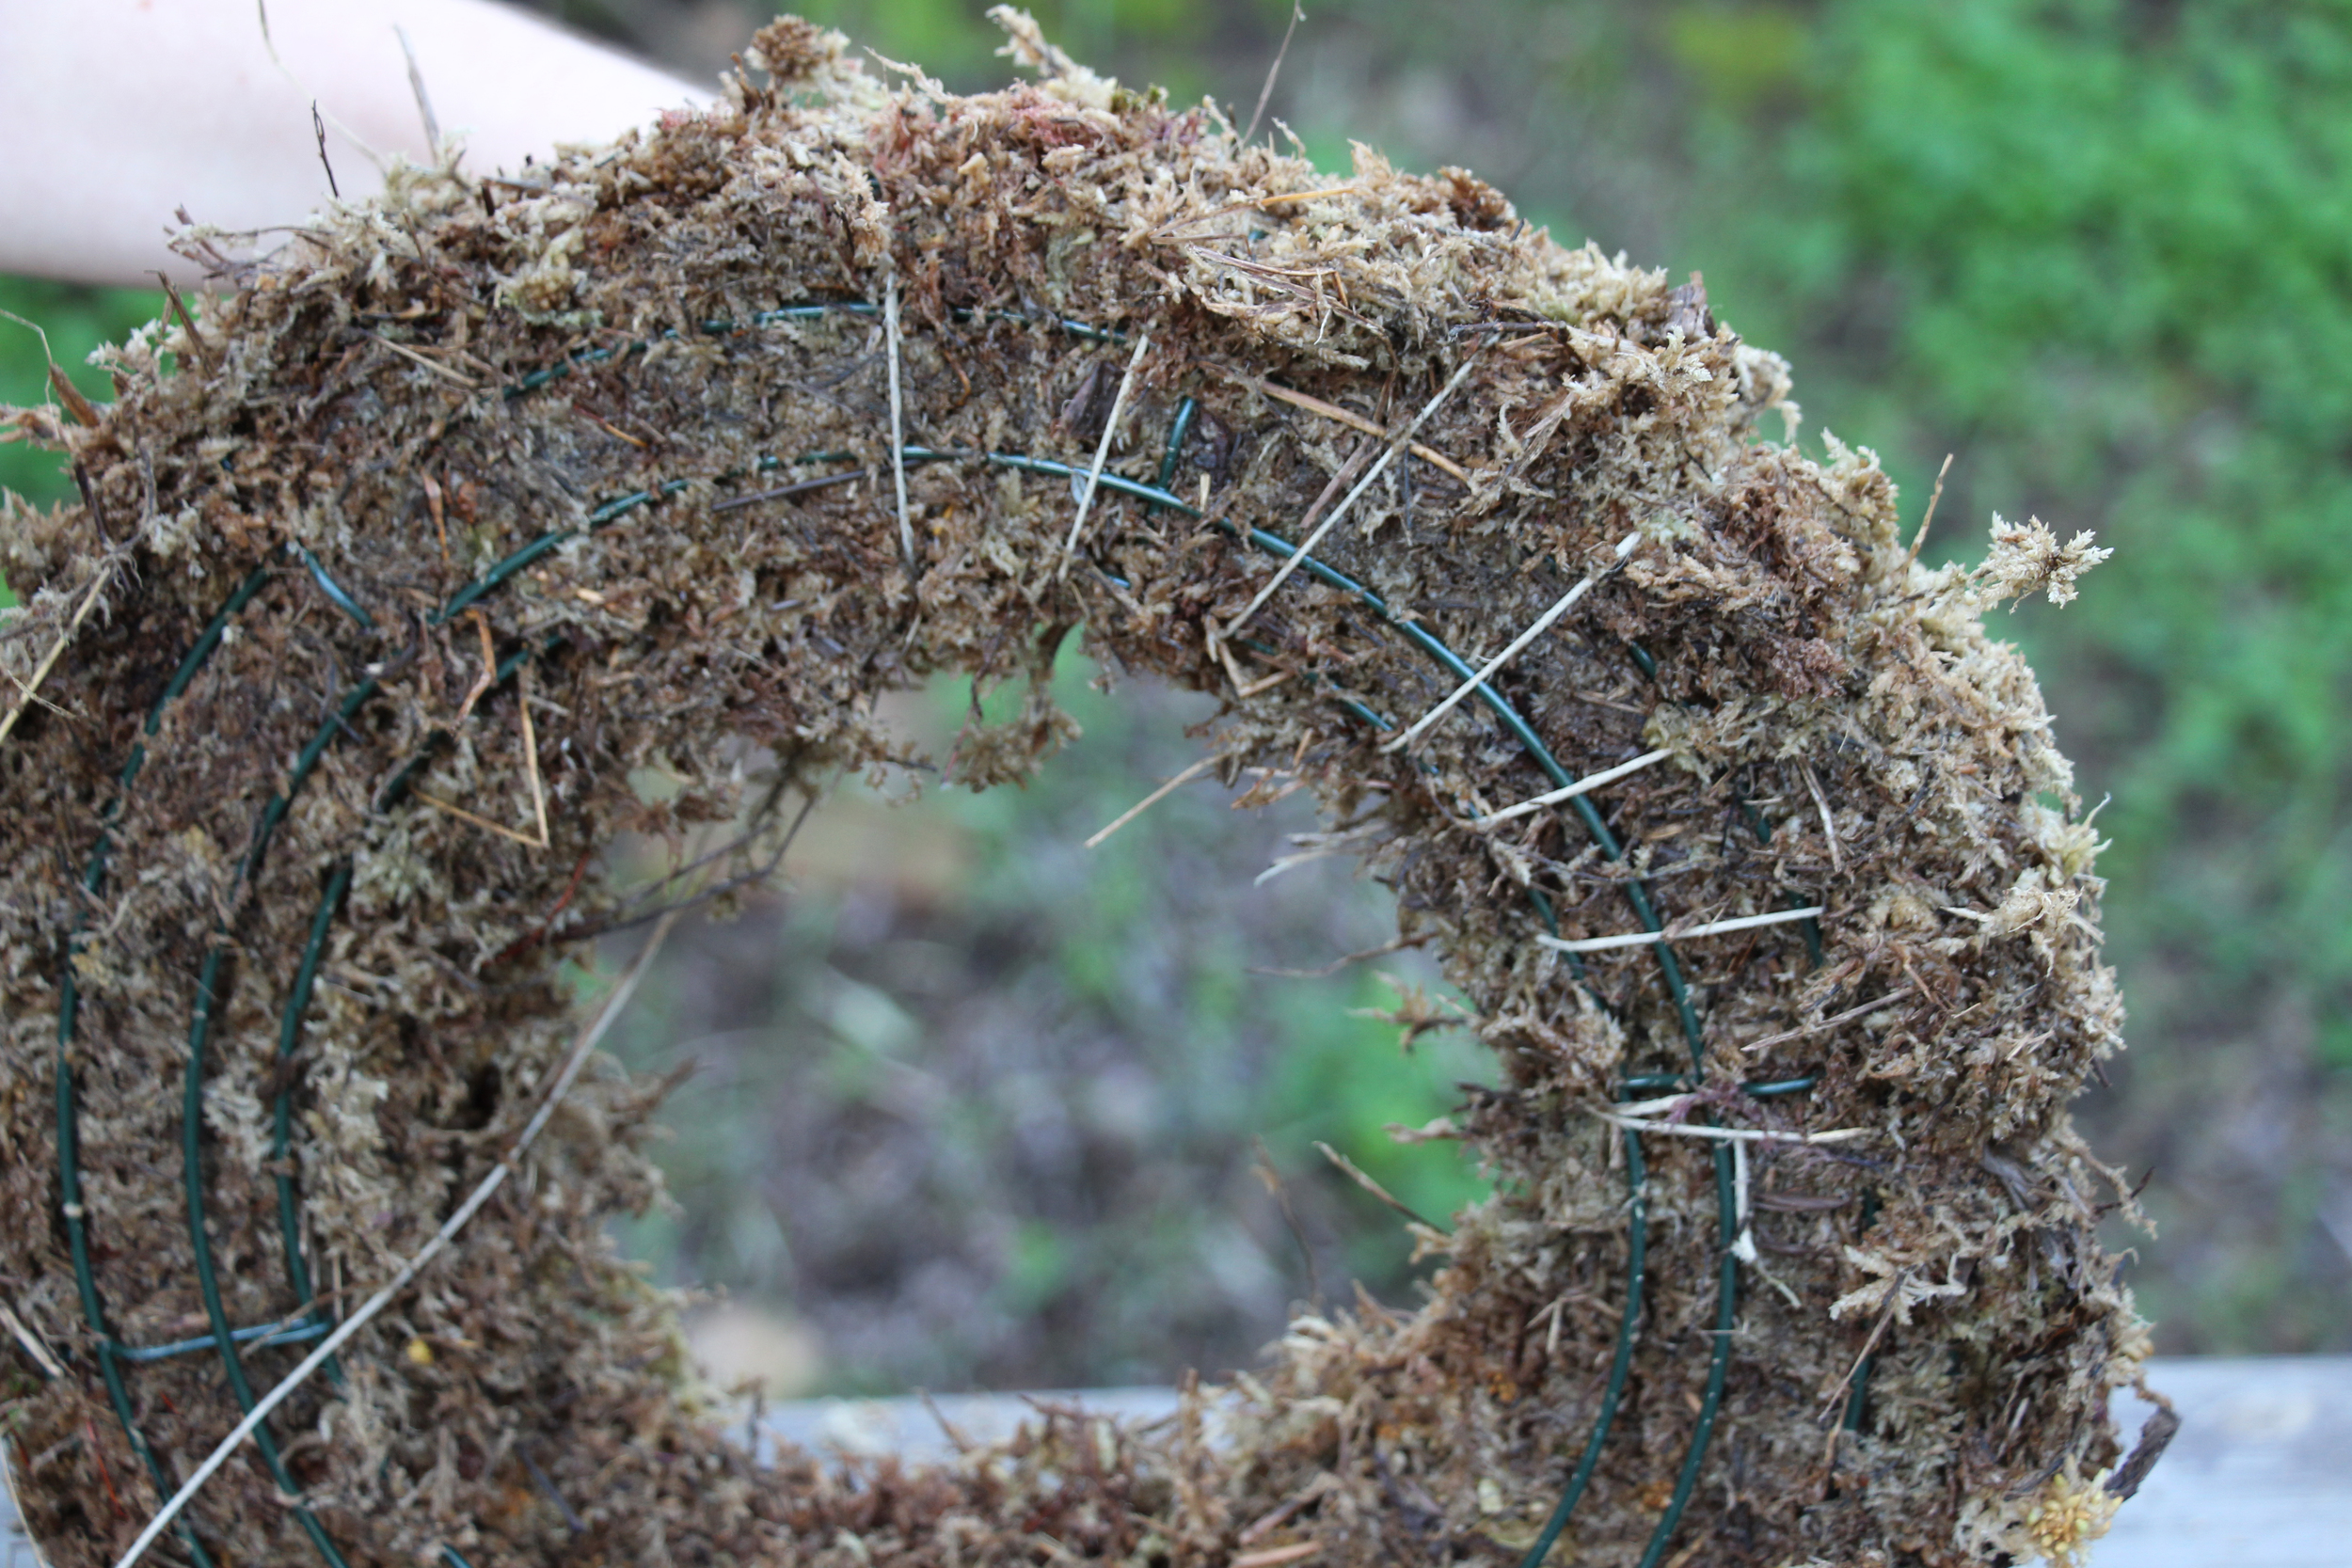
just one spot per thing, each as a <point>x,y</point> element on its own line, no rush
<point>455,377</point>
<point>318,129</point>
<point>1590,782</point>
<point>1829,823</point>
<point>1729,1134</point>
<point>1265,93</point>
<point>482,822</point>
<point>1924,523</point>
<point>440,519</point>
<point>1101,451</point>
<point>202,350</point>
<point>530,754</point>
<point>1689,1553</point>
<point>1356,1174</point>
<point>424,101</point>
<point>1156,796</point>
<point>106,1472</point>
<point>898,416</point>
<point>508,1164</point>
<point>489,671</point>
<point>1274,1557</point>
<point>1543,624</point>
<point>1264,684</point>
<point>2155,1436</point>
<point>42,1356</point>
<point>57,651</point>
<point>1711,928</point>
<point>963,1444</point>
<point>1894,1299</point>
<point>1350,417</point>
<point>1846,1017</point>
<point>27,691</point>
<point>1283,1512</point>
<point>84,411</point>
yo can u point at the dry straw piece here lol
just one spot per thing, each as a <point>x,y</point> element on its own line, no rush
<point>270,1015</point>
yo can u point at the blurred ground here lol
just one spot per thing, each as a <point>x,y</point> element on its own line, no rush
<point>975,1106</point>
<point>978,1106</point>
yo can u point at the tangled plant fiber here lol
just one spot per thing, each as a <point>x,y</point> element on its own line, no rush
<point>500,517</point>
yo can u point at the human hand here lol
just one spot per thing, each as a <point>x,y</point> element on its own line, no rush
<point>117,114</point>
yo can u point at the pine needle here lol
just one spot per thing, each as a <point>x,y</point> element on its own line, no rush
<point>1543,624</point>
<point>898,417</point>
<point>1712,928</point>
<point>1350,417</point>
<point>1307,546</point>
<point>482,822</point>
<point>1567,792</point>
<point>1101,451</point>
<point>1357,1174</point>
<point>65,640</point>
<point>1156,796</point>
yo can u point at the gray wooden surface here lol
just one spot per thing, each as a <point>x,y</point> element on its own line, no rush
<point>2260,1475</point>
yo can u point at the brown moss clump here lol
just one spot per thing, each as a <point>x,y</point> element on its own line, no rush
<point>487,449</point>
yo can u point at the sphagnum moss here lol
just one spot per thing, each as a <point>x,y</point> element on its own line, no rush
<point>610,447</point>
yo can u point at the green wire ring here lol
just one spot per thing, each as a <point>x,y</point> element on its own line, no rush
<point>1158,495</point>
<point>260,1336</point>
<point>334,589</point>
<point>281,1132</point>
<point>1636,892</point>
<point>223,1338</point>
<point>208,1279</point>
<point>192,1113</point>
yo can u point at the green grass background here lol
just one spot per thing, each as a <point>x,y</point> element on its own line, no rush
<point>2100,251</point>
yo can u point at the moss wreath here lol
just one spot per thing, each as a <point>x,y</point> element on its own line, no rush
<point>397,558</point>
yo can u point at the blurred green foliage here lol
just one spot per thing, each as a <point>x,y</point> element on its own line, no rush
<point>2103,252</point>
<point>76,319</point>
<point>2115,259</point>
<point>980,1105</point>
<point>1335,1074</point>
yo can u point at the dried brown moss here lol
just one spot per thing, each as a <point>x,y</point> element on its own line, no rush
<point>369,416</point>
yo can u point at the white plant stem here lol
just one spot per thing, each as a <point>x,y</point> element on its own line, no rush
<point>1543,623</point>
<point>1712,928</point>
<point>1569,792</point>
<point>1101,453</point>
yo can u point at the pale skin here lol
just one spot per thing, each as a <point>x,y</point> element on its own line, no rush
<point>115,114</point>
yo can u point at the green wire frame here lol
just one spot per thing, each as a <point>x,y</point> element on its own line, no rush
<point>224,1339</point>
<point>290,1025</point>
<point>75,1215</point>
<point>1156,496</point>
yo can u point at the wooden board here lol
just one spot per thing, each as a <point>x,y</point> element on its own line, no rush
<point>2259,1476</point>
